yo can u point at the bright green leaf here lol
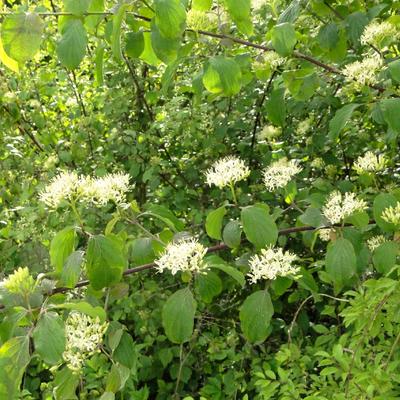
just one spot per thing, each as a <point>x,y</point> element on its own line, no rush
<point>214,222</point>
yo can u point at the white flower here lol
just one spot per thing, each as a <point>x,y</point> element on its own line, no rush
<point>375,242</point>
<point>363,72</point>
<point>257,4</point>
<point>184,255</point>
<point>326,234</point>
<point>19,282</point>
<point>280,173</point>
<point>273,59</point>
<point>227,171</point>
<point>272,262</point>
<point>392,214</point>
<point>199,20</point>
<point>62,187</point>
<point>370,162</point>
<point>269,132</point>
<point>83,337</point>
<point>375,32</point>
<point>337,207</point>
<point>112,187</point>
<point>317,163</point>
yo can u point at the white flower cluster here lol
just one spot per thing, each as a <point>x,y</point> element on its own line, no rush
<point>326,234</point>
<point>280,173</point>
<point>184,255</point>
<point>83,337</point>
<point>317,163</point>
<point>374,242</point>
<point>338,207</point>
<point>363,73</point>
<point>375,32</point>
<point>257,4</point>
<point>68,186</point>
<point>269,132</point>
<point>392,214</point>
<point>272,262</point>
<point>19,282</point>
<point>199,20</point>
<point>227,171</point>
<point>273,59</point>
<point>370,162</point>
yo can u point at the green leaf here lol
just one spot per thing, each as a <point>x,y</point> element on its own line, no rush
<point>391,110</point>
<point>214,222</point>
<point>65,383</point>
<point>72,269</point>
<point>178,316</point>
<point>232,234</point>
<point>116,32</point>
<point>165,215</point>
<point>340,261</point>
<point>84,308</point>
<point>105,261</point>
<point>222,75</point>
<point>21,35</point>
<point>384,257</point>
<point>339,121</point>
<point>291,13</point>
<point>209,286</point>
<point>6,60</point>
<point>170,17</point>
<point>255,316</point>
<point>166,49</point>
<point>125,353</point>
<point>14,358</point>
<point>283,38</point>
<point>275,107</point>
<point>72,46</point>
<point>61,246</point>
<point>142,251</point>
<point>202,5</point>
<point>394,69</point>
<point>134,45</point>
<point>240,12</point>
<point>117,378</point>
<point>259,227</point>
<point>148,54</point>
<point>216,262</point>
<point>301,83</point>
<point>107,396</point>
<point>49,338</point>
<point>76,7</point>
<point>381,202</point>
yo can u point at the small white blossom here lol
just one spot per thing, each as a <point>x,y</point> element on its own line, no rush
<point>317,163</point>
<point>272,262</point>
<point>392,214</point>
<point>227,171</point>
<point>19,282</point>
<point>112,187</point>
<point>338,207</point>
<point>370,162</point>
<point>184,255</point>
<point>269,132</point>
<point>280,173</point>
<point>62,187</point>
<point>273,59</point>
<point>83,337</point>
<point>326,234</point>
<point>374,242</point>
<point>375,32</point>
<point>257,4</point>
<point>363,73</point>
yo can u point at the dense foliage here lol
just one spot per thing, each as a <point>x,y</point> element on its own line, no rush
<point>199,199</point>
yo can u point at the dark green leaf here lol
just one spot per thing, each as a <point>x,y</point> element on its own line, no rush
<point>339,121</point>
<point>255,316</point>
<point>232,234</point>
<point>259,227</point>
<point>49,338</point>
<point>384,257</point>
<point>209,286</point>
<point>105,261</point>
<point>178,316</point>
